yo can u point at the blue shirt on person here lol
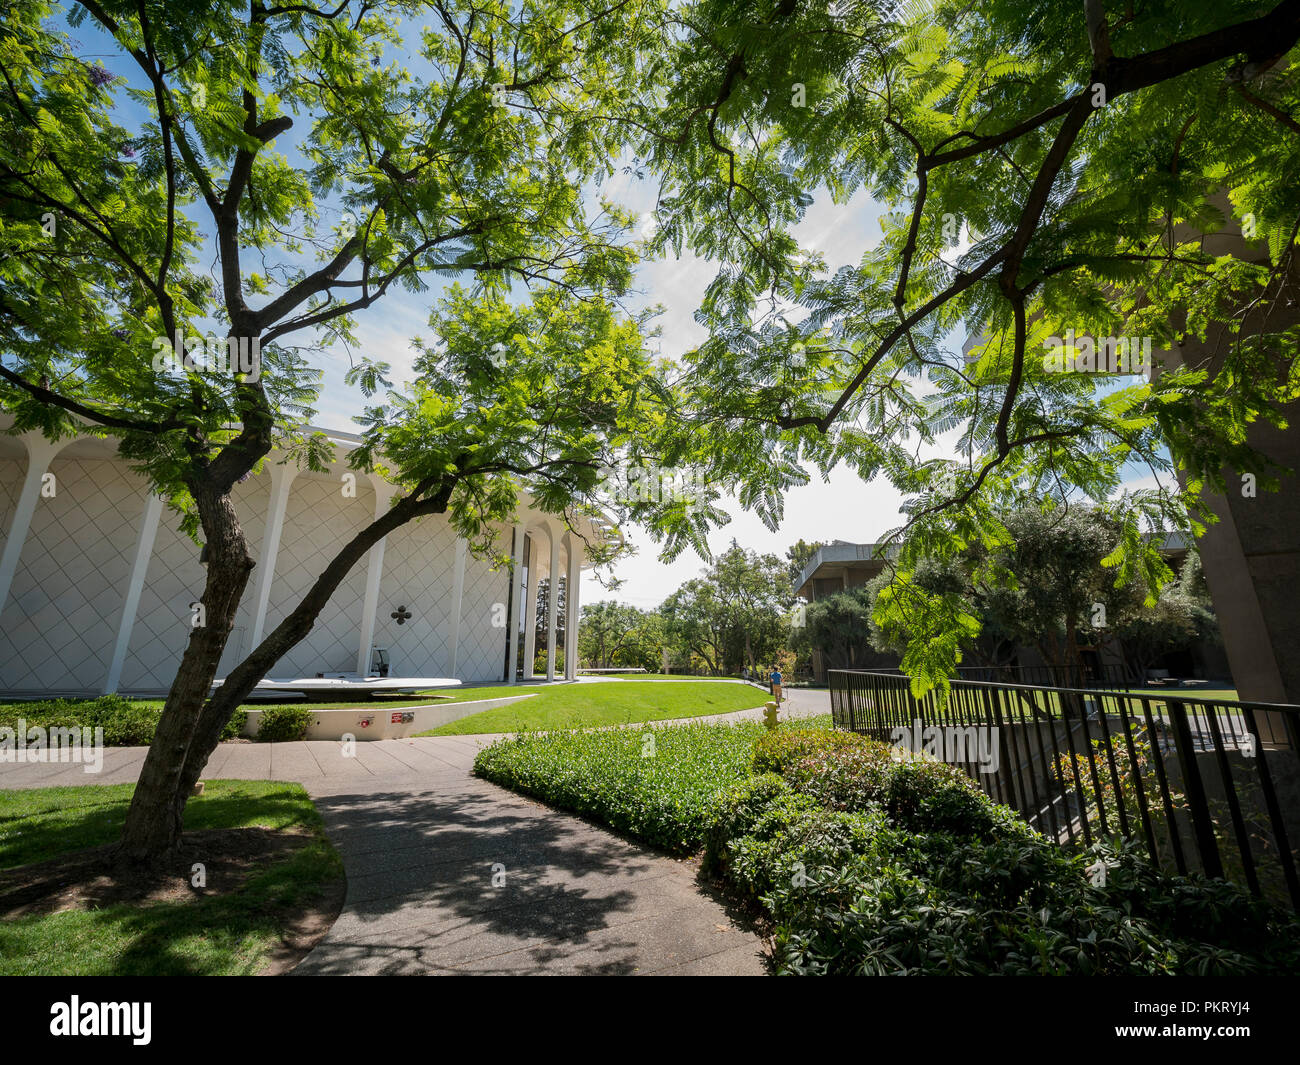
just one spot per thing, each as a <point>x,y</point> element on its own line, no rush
<point>776,676</point>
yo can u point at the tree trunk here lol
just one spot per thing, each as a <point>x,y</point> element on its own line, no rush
<point>153,822</point>
<point>218,709</point>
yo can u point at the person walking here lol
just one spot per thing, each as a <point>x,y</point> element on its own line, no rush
<point>776,684</point>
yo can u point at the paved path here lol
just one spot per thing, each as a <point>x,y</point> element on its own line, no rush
<point>421,839</point>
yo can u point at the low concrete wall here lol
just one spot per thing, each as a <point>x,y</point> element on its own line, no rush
<point>377,723</point>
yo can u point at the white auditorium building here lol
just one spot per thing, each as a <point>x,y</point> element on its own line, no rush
<point>97,581</point>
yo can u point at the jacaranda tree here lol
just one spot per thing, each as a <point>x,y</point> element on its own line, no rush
<point>260,175</point>
<point>1048,172</point>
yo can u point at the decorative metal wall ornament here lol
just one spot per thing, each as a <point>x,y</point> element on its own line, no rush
<point>401,615</point>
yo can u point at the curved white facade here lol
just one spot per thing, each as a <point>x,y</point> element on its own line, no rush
<point>97,582</point>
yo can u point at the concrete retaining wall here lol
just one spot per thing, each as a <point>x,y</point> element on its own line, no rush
<point>376,723</point>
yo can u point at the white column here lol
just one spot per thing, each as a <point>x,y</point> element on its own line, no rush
<point>139,570</point>
<point>39,453</point>
<point>457,598</point>
<point>516,580</point>
<point>264,574</point>
<point>530,619</point>
<point>552,602</point>
<point>572,607</point>
<point>384,493</point>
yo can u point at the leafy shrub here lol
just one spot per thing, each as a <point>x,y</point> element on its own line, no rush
<point>657,789</point>
<point>1019,909</point>
<point>126,722</point>
<point>916,793</point>
<point>777,751</point>
<point>912,870</point>
<point>283,724</point>
<point>735,810</point>
<point>235,726</point>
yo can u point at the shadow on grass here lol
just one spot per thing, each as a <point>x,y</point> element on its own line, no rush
<point>231,933</point>
<point>42,823</point>
<point>215,935</point>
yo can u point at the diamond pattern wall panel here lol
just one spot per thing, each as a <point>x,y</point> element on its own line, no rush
<point>319,520</point>
<point>175,580</point>
<point>12,473</point>
<point>483,646</point>
<point>419,565</point>
<point>59,626</point>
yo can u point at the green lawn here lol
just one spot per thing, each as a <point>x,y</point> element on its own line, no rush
<point>663,676</point>
<point>585,705</point>
<point>203,935</point>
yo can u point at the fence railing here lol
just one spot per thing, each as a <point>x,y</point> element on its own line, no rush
<point>1206,785</point>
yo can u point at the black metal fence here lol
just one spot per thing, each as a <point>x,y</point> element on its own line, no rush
<point>1206,785</point>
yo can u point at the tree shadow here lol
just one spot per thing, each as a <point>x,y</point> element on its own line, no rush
<point>477,880</point>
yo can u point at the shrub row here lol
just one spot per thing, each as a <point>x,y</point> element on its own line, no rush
<point>867,862</point>
<point>871,864</point>
<point>126,722</point>
<point>654,783</point>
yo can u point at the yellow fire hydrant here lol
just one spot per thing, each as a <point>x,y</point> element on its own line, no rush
<point>769,714</point>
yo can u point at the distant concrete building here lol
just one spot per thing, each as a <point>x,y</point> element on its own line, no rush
<point>837,567</point>
<point>97,581</point>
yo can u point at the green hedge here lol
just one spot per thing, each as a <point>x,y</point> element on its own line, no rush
<point>867,861</point>
<point>654,783</point>
<point>126,723</point>
<point>777,751</point>
<point>868,865</point>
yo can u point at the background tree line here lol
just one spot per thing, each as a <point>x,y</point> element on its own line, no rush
<point>1051,589</point>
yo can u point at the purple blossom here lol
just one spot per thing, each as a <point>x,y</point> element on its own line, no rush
<point>99,76</point>
<point>121,334</point>
<point>129,152</point>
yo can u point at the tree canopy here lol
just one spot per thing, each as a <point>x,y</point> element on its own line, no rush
<point>1048,171</point>
<point>252,177</point>
<point>736,615</point>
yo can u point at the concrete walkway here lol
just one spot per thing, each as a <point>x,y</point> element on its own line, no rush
<point>450,874</point>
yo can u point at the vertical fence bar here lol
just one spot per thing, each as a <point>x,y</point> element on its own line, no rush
<point>1079,789</point>
<point>1092,767</point>
<point>1051,768</point>
<point>1274,812</point>
<point>1139,785</point>
<point>1234,806</point>
<point>1120,812</point>
<point>1198,804</point>
<point>1166,798</point>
